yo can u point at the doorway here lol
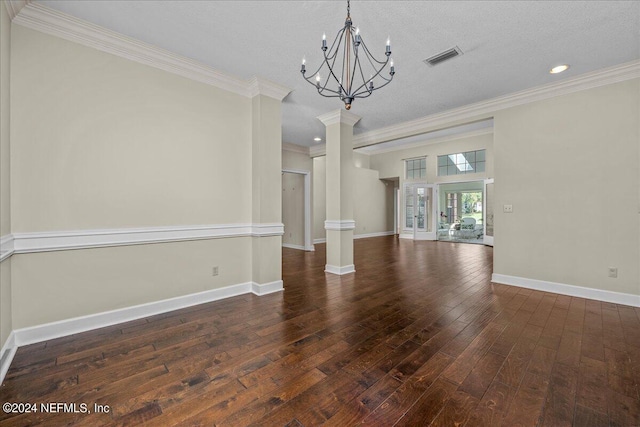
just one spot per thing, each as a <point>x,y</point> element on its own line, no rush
<point>419,210</point>
<point>296,209</point>
<point>461,212</point>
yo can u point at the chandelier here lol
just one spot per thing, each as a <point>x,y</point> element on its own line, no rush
<point>344,77</point>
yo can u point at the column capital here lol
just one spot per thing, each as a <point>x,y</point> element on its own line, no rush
<point>339,116</point>
<point>259,86</point>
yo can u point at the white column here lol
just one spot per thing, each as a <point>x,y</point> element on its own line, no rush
<point>339,224</point>
<point>266,168</point>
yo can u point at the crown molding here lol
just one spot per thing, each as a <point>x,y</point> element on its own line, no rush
<point>14,7</point>
<point>41,18</point>
<point>486,109</point>
<point>339,116</point>
<point>372,151</point>
<point>261,86</point>
<point>287,146</point>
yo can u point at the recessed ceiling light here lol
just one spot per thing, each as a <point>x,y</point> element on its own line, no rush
<point>316,139</point>
<point>559,69</point>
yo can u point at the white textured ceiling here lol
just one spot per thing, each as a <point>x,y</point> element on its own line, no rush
<point>507,46</point>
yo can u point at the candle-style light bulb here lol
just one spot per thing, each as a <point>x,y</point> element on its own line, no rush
<point>318,78</point>
<point>358,39</point>
<point>388,50</point>
<point>324,41</point>
<point>302,67</point>
<point>393,70</point>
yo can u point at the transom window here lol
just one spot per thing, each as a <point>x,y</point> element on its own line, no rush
<point>416,168</point>
<point>462,163</point>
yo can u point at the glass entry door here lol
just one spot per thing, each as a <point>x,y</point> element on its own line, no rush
<point>419,211</point>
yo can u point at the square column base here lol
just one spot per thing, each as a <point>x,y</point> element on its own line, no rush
<point>339,270</point>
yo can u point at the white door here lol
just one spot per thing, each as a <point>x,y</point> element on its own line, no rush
<point>487,208</point>
<point>419,218</point>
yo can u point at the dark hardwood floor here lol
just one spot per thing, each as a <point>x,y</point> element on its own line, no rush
<point>417,336</point>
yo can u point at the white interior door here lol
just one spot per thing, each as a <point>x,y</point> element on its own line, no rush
<point>420,211</point>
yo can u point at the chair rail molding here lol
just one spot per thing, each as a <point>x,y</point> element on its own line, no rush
<point>19,243</point>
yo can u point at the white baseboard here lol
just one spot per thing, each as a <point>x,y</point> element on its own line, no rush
<point>6,355</point>
<point>406,236</point>
<point>62,328</point>
<point>267,288</point>
<point>339,270</point>
<point>571,290</point>
<point>290,246</point>
<point>362,236</point>
<point>378,234</point>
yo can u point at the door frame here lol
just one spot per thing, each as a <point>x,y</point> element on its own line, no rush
<point>484,192</point>
<point>308,243</point>
<point>414,233</point>
<point>487,240</point>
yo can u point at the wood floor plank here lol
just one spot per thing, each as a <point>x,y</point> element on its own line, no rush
<point>414,338</point>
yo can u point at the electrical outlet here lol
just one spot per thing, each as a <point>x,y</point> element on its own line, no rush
<point>507,208</point>
<point>214,272</point>
<point>613,272</point>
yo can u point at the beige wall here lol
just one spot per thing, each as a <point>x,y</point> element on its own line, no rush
<point>293,209</point>
<point>569,166</point>
<point>373,198</point>
<point>391,164</point>
<point>5,189</point>
<point>296,161</point>
<point>119,144</point>
<point>51,286</point>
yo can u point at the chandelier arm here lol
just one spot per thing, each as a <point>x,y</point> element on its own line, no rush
<point>370,55</point>
<point>366,82</point>
<point>357,95</point>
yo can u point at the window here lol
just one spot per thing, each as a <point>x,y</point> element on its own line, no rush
<point>416,168</point>
<point>462,163</point>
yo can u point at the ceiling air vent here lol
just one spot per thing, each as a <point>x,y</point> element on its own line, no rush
<point>443,56</point>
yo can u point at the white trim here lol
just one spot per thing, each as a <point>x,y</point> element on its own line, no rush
<point>470,134</point>
<point>406,235</point>
<point>260,86</point>
<point>572,290</point>
<point>85,239</point>
<point>378,234</point>
<point>339,225</point>
<point>287,146</point>
<point>339,270</point>
<point>6,247</point>
<point>318,241</point>
<point>290,246</point>
<point>267,288</point>
<point>6,355</point>
<point>339,116</point>
<point>49,331</point>
<point>14,7</point>
<point>486,109</point>
<point>62,328</point>
<point>39,17</point>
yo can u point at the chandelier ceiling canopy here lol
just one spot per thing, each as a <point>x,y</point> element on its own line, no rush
<point>346,63</point>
